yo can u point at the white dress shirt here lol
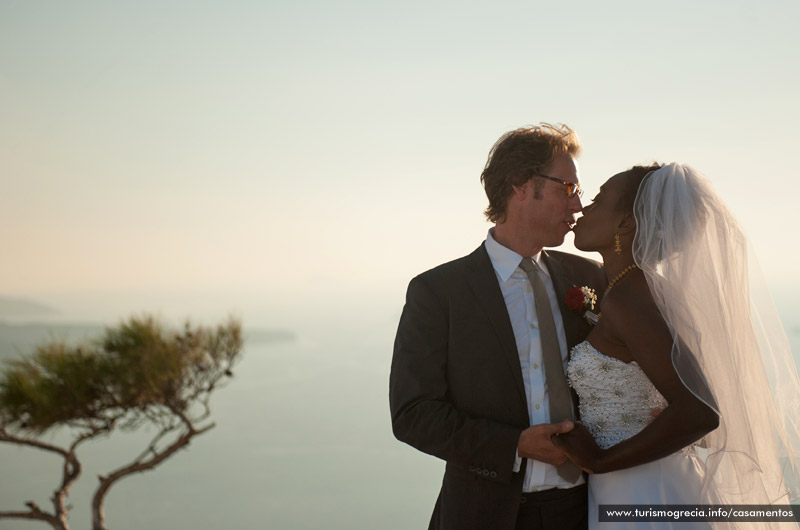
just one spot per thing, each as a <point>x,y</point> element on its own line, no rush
<point>518,295</point>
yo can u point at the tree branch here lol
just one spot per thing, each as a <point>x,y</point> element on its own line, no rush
<point>70,473</point>
<point>72,470</point>
<point>140,466</point>
<point>34,514</point>
<point>151,448</point>
<point>6,437</point>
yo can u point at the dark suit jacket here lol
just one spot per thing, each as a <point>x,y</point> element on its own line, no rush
<point>456,389</point>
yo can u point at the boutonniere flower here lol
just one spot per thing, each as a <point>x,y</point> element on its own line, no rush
<point>583,300</point>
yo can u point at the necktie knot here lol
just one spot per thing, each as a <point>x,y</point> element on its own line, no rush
<point>529,265</point>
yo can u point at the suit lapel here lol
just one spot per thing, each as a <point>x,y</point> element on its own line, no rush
<point>483,282</point>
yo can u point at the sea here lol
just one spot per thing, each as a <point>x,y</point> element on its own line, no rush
<point>303,438</point>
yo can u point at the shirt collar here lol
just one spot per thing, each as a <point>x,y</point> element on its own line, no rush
<point>504,260</point>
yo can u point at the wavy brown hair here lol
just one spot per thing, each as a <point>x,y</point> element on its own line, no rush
<point>519,155</point>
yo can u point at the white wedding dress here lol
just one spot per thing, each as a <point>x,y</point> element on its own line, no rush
<point>616,402</point>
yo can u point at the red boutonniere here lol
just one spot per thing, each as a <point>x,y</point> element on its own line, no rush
<point>583,300</point>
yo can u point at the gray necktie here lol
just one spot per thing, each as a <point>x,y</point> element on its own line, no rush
<point>557,389</point>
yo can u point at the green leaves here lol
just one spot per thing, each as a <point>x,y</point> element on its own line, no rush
<point>136,371</point>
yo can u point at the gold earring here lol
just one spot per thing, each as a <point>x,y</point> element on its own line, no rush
<point>617,244</point>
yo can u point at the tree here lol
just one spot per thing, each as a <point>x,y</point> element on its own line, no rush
<point>135,374</point>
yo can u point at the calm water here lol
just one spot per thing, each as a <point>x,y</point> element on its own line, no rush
<point>303,441</point>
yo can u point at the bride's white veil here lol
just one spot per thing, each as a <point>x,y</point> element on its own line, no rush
<point>730,348</point>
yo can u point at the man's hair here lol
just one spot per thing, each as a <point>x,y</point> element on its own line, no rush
<point>633,179</point>
<point>519,155</point>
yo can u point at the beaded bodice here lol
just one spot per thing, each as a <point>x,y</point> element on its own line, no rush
<point>616,398</point>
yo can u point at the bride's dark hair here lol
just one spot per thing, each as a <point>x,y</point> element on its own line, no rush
<point>634,178</point>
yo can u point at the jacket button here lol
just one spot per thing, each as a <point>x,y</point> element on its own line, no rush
<point>493,474</point>
<point>485,472</point>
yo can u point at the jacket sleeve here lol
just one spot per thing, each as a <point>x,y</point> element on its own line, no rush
<point>423,414</point>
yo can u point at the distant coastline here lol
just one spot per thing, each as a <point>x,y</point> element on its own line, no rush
<point>24,308</point>
<point>21,338</point>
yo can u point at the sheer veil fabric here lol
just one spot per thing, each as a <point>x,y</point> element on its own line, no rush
<point>730,349</point>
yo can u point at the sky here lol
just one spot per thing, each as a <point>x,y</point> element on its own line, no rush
<point>195,156</point>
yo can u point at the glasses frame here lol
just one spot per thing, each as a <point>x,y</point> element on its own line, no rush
<point>573,188</point>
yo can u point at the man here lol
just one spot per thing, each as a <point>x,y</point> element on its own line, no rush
<point>470,381</point>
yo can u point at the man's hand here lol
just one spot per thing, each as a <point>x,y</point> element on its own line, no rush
<point>534,442</point>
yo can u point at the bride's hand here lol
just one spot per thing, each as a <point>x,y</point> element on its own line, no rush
<point>579,446</point>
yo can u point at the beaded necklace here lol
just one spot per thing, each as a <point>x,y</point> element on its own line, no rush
<point>616,280</point>
<point>621,275</point>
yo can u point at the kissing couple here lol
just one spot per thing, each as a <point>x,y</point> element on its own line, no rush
<point>552,385</point>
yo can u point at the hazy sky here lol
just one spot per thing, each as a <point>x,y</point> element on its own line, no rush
<point>298,149</point>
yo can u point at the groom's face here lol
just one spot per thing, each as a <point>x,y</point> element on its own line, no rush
<point>552,213</point>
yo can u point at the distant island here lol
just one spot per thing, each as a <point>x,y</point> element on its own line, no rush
<point>24,308</point>
<point>257,335</point>
<point>26,323</point>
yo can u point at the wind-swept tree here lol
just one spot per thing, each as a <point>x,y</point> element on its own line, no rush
<point>137,373</point>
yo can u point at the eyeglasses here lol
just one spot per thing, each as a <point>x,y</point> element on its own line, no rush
<point>572,187</point>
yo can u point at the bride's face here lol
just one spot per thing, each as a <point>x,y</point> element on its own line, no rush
<point>601,220</point>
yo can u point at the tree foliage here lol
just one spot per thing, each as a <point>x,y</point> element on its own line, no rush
<point>136,373</point>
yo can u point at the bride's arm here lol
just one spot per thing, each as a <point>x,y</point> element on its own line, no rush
<point>633,318</point>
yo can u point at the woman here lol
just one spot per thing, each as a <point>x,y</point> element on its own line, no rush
<point>681,332</point>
